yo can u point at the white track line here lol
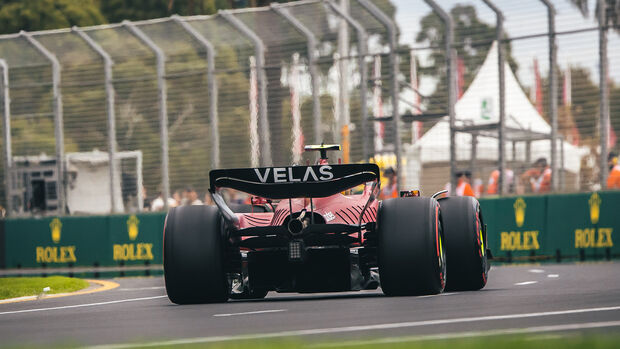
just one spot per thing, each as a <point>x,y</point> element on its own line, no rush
<point>80,305</point>
<point>142,288</point>
<point>251,312</point>
<point>536,271</point>
<point>525,283</point>
<point>508,331</point>
<point>359,328</point>
<point>553,275</point>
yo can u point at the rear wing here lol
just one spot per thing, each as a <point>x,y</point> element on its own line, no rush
<point>294,181</point>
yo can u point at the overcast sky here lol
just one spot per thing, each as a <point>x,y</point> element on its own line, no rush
<point>526,17</point>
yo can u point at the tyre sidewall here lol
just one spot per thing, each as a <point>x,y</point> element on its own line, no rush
<point>194,255</point>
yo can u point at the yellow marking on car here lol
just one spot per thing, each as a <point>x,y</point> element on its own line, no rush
<point>481,242</point>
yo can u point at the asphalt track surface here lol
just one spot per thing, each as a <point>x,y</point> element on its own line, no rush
<point>529,299</point>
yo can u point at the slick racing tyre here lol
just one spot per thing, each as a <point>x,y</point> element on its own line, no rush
<point>194,256</point>
<point>465,243</point>
<point>410,252</point>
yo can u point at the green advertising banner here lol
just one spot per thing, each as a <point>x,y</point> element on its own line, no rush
<point>55,241</point>
<point>572,226</point>
<point>83,241</point>
<point>517,226</point>
<point>136,239</point>
<point>584,225</point>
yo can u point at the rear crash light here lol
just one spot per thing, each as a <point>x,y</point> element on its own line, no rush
<point>296,250</point>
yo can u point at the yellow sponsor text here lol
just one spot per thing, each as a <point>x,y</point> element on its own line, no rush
<point>55,254</point>
<point>133,252</point>
<point>593,237</point>
<point>519,241</point>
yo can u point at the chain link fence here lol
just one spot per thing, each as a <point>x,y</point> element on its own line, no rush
<point>132,116</point>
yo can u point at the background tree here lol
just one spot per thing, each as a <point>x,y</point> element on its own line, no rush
<point>612,17</point>
<point>473,38</point>
<point>31,15</point>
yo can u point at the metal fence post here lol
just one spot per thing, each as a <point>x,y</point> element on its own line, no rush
<point>362,42</point>
<point>163,110</point>
<point>499,32</point>
<point>6,127</point>
<point>312,66</point>
<point>603,88</point>
<point>108,63</point>
<point>58,117</point>
<point>446,18</point>
<point>259,51</point>
<point>394,86</point>
<point>211,86</point>
<point>553,94</point>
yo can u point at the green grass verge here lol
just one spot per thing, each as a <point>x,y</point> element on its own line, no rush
<point>32,286</point>
<point>541,340</point>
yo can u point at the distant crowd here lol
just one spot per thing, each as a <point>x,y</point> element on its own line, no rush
<point>536,180</point>
<point>189,196</point>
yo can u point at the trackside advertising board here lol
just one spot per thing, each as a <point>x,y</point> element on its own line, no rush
<point>517,225</point>
<point>574,226</point>
<point>585,223</point>
<point>83,241</point>
<point>570,226</point>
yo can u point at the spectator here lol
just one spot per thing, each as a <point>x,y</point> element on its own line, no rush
<point>508,185</point>
<point>178,198</point>
<point>391,189</point>
<point>191,197</point>
<point>208,199</point>
<point>146,202</point>
<point>613,180</point>
<point>478,187</point>
<point>539,177</point>
<point>158,203</point>
<point>463,188</point>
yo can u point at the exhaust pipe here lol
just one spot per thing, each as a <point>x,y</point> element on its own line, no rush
<point>295,226</point>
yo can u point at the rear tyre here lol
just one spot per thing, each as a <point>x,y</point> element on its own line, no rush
<point>465,241</point>
<point>410,252</point>
<point>194,256</point>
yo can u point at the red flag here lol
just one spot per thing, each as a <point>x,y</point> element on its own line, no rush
<point>460,77</point>
<point>611,136</point>
<point>539,94</point>
<point>378,105</point>
<point>567,96</point>
<point>254,144</point>
<point>416,125</point>
<point>574,133</point>
<point>298,135</point>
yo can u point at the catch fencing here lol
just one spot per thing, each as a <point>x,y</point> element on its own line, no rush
<point>106,119</point>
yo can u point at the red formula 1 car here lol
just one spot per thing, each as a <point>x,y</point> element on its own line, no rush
<point>301,234</point>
